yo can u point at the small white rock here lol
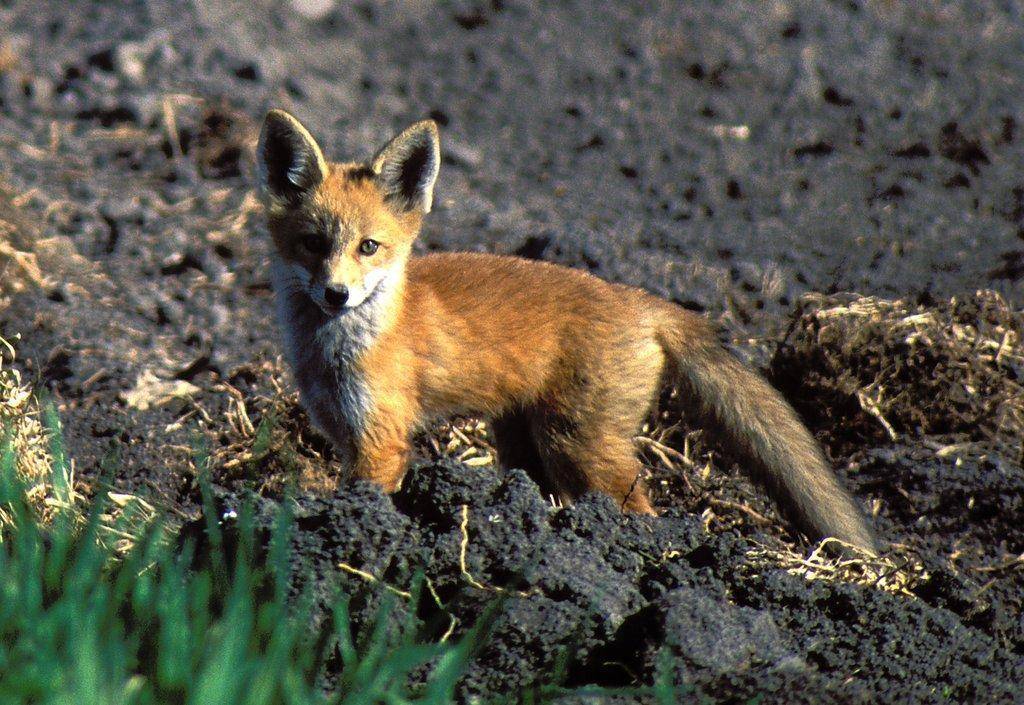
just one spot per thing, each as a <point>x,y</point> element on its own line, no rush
<point>313,9</point>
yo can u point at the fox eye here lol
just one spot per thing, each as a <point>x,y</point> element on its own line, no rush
<point>314,244</point>
<point>368,247</point>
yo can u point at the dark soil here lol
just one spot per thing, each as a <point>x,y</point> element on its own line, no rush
<point>728,156</point>
<point>608,597</point>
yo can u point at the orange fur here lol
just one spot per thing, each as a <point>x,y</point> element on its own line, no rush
<point>566,364</point>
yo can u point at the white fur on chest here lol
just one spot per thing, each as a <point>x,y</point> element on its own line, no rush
<point>323,352</point>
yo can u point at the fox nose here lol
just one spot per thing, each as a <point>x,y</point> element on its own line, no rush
<point>336,296</point>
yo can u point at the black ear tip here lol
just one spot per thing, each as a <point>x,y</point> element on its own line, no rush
<point>278,122</point>
<point>273,126</point>
<point>279,115</point>
<point>288,158</point>
<point>425,130</point>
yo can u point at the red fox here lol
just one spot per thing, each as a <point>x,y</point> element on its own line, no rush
<point>565,364</point>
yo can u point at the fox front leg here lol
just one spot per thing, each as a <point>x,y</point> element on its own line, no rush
<point>382,455</point>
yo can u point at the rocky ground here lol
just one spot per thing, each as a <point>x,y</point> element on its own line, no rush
<point>732,158</point>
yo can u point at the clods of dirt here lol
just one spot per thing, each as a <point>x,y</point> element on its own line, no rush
<point>727,608</point>
<point>612,600</point>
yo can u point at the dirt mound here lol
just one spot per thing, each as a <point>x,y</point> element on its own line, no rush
<point>613,600</point>
<point>871,370</point>
<point>594,598</point>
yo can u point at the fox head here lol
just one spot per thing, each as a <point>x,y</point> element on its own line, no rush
<point>342,233</point>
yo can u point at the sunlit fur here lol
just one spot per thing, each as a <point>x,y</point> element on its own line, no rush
<point>565,364</point>
<point>322,344</point>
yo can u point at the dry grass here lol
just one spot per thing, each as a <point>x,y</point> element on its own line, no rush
<point>882,369</point>
<point>897,570</point>
<point>19,270</point>
<point>263,433</point>
<point>22,426</point>
<point>8,57</point>
<point>669,449</point>
<point>466,440</point>
<point>681,468</point>
<point>19,266</point>
<point>49,476</point>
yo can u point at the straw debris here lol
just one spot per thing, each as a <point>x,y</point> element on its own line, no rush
<point>21,425</point>
<point>871,369</point>
<point>896,571</point>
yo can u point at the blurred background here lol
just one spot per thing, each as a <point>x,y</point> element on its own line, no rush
<point>729,156</point>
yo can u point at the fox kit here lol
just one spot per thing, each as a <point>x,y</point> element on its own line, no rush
<point>566,365</point>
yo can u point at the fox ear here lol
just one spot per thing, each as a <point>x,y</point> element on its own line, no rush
<point>406,167</point>
<point>289,161</point>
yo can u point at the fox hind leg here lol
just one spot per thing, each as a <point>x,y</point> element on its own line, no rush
<point>586,441</point>
<point>514,439</point>
<point>600,456</point>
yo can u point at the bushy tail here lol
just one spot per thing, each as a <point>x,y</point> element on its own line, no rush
<point>757,421</point>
